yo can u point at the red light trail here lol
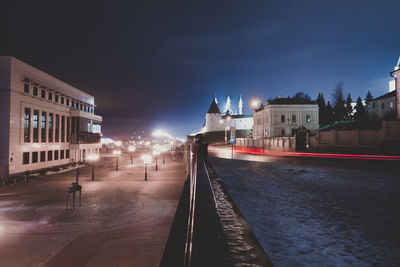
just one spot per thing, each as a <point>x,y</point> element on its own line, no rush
<point>257,151</point>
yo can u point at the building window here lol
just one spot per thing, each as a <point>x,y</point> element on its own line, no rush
<point>35,91</point>
<point>67,101</point>
<point>373,105</point>
<point>56,98</point>
<point>35,125</point>
<point>62,100</point>
<point>56,155</point>
<point>51,119</point>
<point>42,156</point>
<point>81,106</point>
<point>34,157</point>
<point>383,105</point>
<point>61,154</point>
<point>283,132</point>
<point>391,104</point>
<point>67,153</point>
<point>68,129</point>
<point>73,104</point>
<point>62,128</point>
<point>43,126</point>
<point>27,125</point>
<point>49,155</point>
<point>26,88</point>
<point>282,118</point>
<point>50,96</point>
<point>293,118</point>
<point>43,93</point>
<point>57,128</point>
<point>308,118</point>
<point>25,158</point>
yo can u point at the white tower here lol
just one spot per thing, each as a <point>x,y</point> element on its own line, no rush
<point>240,105</point>
<point>213,117</point>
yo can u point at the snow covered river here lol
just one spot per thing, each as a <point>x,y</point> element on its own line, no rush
<point>317,216</point>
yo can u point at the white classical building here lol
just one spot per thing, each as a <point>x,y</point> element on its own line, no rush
<point>44,122</point>
<point>283,116</point>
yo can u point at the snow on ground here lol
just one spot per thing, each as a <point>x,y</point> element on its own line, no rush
<point>313,216</point>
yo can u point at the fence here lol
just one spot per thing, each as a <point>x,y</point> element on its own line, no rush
<point>285,143</point>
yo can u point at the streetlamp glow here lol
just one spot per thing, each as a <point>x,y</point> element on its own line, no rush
<point>255,103</point>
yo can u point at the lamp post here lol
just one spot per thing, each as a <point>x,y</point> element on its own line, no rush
<point>156,153</point>
<point>92,158</point>
<point>146,160</point>
<point>116,153</point>
<point>131,150</point>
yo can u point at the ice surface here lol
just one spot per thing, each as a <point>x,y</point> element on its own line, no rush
<point>313,216</point>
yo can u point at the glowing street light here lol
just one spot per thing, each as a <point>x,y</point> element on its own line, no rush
<point>116,153</point>
<point>131,149</point>
<point>92,158</point>
<point>255,103</point>
<point>146,160</point>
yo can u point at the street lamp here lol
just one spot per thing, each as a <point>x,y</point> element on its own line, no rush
<point>131,150</point>
<point>92,158</point>
<point>146,160</point>
<point>116,153</point>
<point>156,153</point>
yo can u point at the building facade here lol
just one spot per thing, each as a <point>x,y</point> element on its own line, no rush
<point>44,121</point>
<point>283,116</point>
<point>384,106</point>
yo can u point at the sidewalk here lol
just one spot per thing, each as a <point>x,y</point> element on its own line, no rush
<point>123,221</point>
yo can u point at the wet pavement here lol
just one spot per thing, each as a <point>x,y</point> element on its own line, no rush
<point>123,220</point>
<point>317,212</point>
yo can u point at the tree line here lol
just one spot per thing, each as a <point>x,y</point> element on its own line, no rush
<point>341,109</point>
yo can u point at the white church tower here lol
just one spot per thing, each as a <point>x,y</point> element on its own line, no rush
<point>396,75</point>
<point>213,117</point>
<point>240,105</point>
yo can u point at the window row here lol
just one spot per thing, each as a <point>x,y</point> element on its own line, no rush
<point>294,118</point>
<point>49,126</point>
<point>41,156</point>
<point>58,98</point>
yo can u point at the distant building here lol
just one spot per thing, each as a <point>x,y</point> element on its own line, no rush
<point>283,116</point>
<point>387,106</point>
<point>383,106</point>
<point>219,122</point>
<point>44,121</point>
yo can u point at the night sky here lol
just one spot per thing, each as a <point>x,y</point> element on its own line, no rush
<point>153,64</point>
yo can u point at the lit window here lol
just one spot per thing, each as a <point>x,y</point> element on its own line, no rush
<point>27,125</point>
<point>35,125</point>
<point>391,104</point>
<point>308,118</point>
